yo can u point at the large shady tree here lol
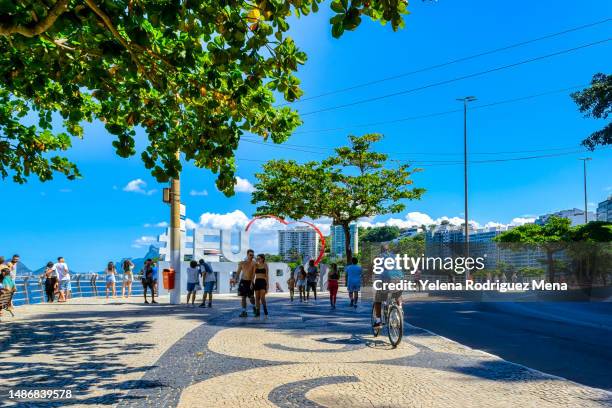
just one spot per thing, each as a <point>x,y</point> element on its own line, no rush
<point>551,238</point>
<point>596,102</point>
<point>354,183</point>
<point>193,74</point>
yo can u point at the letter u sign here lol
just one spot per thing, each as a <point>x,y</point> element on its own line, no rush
<point>226,245</point>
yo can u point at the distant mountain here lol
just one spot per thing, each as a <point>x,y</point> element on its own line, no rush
<point>152,253</point>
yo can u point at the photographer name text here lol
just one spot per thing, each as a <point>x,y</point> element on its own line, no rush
<point>425,285</point>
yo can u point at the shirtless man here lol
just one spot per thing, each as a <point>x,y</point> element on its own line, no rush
<point>245,272</point>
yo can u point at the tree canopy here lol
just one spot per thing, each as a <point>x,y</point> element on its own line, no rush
<point>582,241</point>
<point>352,184</point>
<point>194,75</point>
<point>381,234</point>
<point>596,102</point>
<point>551,237</point>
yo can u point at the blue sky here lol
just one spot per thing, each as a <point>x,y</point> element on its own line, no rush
<point>93,220</point>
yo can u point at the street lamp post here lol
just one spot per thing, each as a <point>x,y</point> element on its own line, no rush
<point>584,162</point>
<point>465,101</point>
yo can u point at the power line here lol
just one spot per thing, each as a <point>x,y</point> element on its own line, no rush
<point>442,113</point>
<point>456,79</point>
<point>451,62</point>
<point>451,162</point>
<point>542,156</point>
<point>324,149</point>
<point>458,162</point>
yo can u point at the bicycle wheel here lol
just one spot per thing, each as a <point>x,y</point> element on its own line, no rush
<point>375,332</point>
<point>395,325</point>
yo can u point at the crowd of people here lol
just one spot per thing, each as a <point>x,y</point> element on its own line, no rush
<point>251,277</point>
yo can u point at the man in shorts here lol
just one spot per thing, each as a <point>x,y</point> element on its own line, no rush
<point>245,272</point>
<point>208,280</point>
<point>353,281</point>
<point>382,295</point>
<point>63,275</point>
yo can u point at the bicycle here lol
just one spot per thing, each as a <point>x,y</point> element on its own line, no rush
<point>392,317</point>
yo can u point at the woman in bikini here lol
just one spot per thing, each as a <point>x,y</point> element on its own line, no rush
<point>110,279</point>
<point>261,284</point>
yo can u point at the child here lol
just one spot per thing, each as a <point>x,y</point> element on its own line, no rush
<point>301,283</point>
<point>291,286</point>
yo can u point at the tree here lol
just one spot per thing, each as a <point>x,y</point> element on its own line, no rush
<point>551,238</point>
<point>596,102</point>
<point>591,251</point>
<point>350,185</point>
<point>381,234</point>
<point>194,75</point>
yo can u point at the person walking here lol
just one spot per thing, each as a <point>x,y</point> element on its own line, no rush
<point>209,280</point>
<point>63,275</point>
<point>50,282</point>
<point>244,274</point>
<point>332,284</point>
<point>13,266</point>
<point>111,279</point>
<point>291,286</point>
<point>128,278</point>
<point>149,279</point>
<point>353,280</point>
<point>312,277</point>
<point>301,283</point>
<point>193,281</point>
<point>261,285</point>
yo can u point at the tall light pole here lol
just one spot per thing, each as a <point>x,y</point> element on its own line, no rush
<point>466,100</point>
<point>584,162</point>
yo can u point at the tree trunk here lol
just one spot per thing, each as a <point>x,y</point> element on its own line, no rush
<point>347,243</point>
<point>551,266</point>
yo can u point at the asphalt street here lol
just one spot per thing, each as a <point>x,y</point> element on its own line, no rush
<point>578,353</point>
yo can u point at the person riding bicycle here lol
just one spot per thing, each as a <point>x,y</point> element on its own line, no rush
<point>388,276</point>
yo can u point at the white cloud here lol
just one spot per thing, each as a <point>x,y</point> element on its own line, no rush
<point>138,186</point>
<point>416,219</point>
<point>198,193</point>
<point>144,241</point>
<point>224,221</point>
<point>190,224</point>
<point>161,224</point>
<point>243,185</point>
<point>522,220</point>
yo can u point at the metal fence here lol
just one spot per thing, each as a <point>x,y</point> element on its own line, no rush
<point>31,289</point>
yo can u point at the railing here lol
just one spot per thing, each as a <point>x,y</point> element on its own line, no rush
<point>31,289</point>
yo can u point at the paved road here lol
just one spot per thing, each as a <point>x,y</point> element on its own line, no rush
<point>126,354</point>
<point>577,353</point>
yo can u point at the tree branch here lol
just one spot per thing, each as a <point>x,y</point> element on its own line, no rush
<point>40,27</point>
<point>109,24</point>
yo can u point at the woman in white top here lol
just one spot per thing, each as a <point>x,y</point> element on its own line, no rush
<point>110,279</point>
<point>128,278</point>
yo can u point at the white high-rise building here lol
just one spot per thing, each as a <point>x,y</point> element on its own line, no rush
<point>300,240</point>
<point>338,245</point>
<point>575,215</point>
<point>604,210</point>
